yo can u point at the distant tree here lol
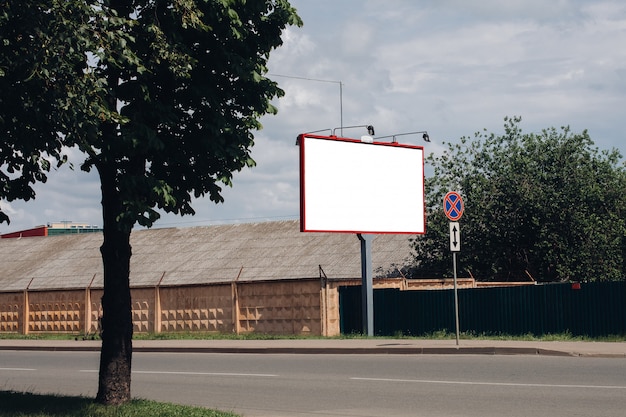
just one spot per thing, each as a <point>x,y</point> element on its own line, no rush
<point>545,206</point>
<point>160,96</point>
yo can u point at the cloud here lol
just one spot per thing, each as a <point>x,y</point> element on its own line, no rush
<point>508,10</point>
<point>450,67</point>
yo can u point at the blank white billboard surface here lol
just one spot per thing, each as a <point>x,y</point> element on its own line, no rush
<point>351,186</point>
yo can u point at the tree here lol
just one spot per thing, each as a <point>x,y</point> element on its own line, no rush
<point>547,206</point>
<point>161,96</point>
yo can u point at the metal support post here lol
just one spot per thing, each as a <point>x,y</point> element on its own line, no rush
<point>367,284</point>
<point>456,299</point>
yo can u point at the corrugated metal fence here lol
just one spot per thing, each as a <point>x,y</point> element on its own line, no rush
<point>588,309</point>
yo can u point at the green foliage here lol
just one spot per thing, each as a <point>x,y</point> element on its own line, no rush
<point>548,206</point>
<point>37,65</point>
<point>17,404</point>
<point>161,96</point>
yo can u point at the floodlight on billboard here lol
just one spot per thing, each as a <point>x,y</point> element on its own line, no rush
<point>360,186</point>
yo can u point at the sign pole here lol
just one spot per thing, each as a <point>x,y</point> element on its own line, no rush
<point>453,207</point>
<point>455,246</point>
<point>456,298</point>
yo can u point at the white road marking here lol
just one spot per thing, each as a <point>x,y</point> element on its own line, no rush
<point>192,373</point>
<point>202,373</point>
<point>17,369</point>
<point>499,384</point>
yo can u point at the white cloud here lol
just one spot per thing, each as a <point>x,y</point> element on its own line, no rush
<point>357,37</point>
<point>508,10</point>
<point>451,67</point>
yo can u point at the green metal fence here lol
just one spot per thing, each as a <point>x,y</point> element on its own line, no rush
<point>589,309</point>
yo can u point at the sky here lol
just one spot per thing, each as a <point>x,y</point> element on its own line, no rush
<point>449,67</point>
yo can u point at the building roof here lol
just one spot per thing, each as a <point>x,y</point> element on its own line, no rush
<point>197,255</point>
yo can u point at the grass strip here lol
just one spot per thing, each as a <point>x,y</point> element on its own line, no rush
<point>438,335</point>
<point>22,404</point>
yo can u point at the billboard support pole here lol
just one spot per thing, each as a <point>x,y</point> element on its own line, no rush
<point>367,284</point>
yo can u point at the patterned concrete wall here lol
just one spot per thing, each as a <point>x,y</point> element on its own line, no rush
<point>303,307</point>
<point>94,313</point>
<point>330,299</point>
<point>55,311</point>
<point>196,308</point>
<point>11,311</point>
<point>280,307</point>
<point>142,303</point>
<point>283,307</point>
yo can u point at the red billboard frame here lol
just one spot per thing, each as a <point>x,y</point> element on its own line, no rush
<point>360,186</point>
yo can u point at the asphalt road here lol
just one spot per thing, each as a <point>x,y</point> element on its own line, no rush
<point>279,385</point>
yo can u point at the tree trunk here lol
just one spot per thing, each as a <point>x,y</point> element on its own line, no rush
<point>117,326</point>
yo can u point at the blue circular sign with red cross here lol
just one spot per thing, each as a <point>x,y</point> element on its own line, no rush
<point>453,205</point>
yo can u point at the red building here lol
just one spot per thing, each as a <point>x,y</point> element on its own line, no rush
<point>51,229</point>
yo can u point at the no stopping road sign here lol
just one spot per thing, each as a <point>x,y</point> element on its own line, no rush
<point>453,206</point>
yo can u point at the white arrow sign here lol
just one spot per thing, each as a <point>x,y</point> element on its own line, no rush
<point>455,237</point>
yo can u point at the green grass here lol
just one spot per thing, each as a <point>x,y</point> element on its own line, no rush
<point>551,337</point>
<point>40,336</point>
<point>438,335</point>
<point>217,336</point>
<point>160,336</point>
<point>17,404</point>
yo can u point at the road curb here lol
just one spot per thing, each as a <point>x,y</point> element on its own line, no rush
<point>378,350</point>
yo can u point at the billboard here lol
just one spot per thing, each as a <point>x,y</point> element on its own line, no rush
<point>354,186</point>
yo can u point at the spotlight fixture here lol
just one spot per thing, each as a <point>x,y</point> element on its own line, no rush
<point>393,137</point>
